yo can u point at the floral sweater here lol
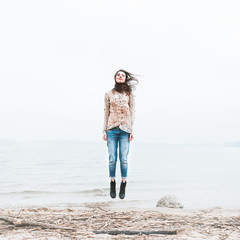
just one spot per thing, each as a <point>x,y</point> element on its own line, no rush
<point>119,111</point>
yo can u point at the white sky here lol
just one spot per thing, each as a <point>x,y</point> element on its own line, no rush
<point>58,58</point>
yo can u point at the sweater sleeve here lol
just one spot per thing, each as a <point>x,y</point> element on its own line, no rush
<point>132,108</point>
<point>106,111</point>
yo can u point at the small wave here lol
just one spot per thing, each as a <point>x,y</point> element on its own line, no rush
<point>27,192</point>
<point>96,192</point>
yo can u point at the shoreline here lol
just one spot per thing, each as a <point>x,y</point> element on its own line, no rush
<point>80,223</point>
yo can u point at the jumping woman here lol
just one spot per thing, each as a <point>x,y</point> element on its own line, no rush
<point>119,114</point>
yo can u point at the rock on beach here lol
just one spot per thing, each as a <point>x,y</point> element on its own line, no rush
<point>169,202</point>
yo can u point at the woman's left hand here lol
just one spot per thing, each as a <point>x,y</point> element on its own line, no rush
<point>130,137</point>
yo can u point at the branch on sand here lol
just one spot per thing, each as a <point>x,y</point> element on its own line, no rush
<point>170,232</point>
<point>23,223</point>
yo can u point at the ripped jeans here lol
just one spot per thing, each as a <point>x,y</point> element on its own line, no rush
<point>117,136</point>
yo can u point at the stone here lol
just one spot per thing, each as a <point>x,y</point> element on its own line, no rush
<point>169,202</point>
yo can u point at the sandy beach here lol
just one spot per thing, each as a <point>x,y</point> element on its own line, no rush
<point>68,223</point>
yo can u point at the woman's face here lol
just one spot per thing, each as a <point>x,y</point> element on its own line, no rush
<point>120,77</point>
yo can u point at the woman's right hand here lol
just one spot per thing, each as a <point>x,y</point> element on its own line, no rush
<point>105,137</point>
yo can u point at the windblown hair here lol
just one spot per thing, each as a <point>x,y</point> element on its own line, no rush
<point>129,85</point>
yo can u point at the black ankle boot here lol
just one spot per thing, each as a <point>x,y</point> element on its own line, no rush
<point>113,189</point>
<point>122,190</point>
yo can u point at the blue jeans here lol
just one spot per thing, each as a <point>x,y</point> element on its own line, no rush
<point>117,136</point>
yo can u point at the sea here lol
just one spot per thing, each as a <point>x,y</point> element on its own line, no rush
<point>75,174</point>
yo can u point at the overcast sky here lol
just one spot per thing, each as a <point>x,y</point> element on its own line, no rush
<point>58,58</point>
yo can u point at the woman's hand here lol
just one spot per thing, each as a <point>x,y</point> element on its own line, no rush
<point>130,137</point>
<point>104,137</point>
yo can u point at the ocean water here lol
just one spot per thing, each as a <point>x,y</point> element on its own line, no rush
<point>75,173</point>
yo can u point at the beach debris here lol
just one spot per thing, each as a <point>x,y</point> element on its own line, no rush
<point>170,202</point>
<point>90,223</point>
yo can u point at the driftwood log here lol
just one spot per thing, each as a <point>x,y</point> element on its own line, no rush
<point>170,232</point>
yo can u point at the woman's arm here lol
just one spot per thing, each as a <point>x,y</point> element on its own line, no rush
<point>132,108</point>
<point>106,112</point>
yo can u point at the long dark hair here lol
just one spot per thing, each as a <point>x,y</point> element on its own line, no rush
<point>129,85</point>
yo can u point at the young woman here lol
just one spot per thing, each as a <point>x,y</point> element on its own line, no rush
<point>119,114</point>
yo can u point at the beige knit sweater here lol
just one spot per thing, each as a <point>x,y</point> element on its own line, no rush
<point>119,111</point>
